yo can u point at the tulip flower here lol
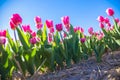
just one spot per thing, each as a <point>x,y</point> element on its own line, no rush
<point>101,25</point>
<point>90,30</point>
<point>38,20</point>
<point>108,24</point>
<point>119,23</point>
<point>106,20</point>
<point>12,25</point>
<point>64,35</point>
<point>39,26</point>
<point>16,19</point>
<point>66,22</point>
<point>33,40</point>
<point>81,29</point>
<point>110,12</point>
<point>59,27</point>
<point>26,28</point>
<point>78,29</point>
<point>33,34</point>
<point>3,33</point>
<point>2,40</point>
<point>50,37</point>
<point>49,23</point>
<point>116,20</point>
<point>75,29</point>
<point>96,33</point>
<point>100,18</point>
<point>51,30</point>
<point>100,36</point>
<point>83,40</point>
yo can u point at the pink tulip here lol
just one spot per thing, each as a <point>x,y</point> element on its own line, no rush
<point>2,40</point>
<point>26,28</point>
<point>78,29</point>
<point>39,26</point>
<point>52,30</point>
<point>110,12</point>
<point>100,18</point>
<point>12,25</point>
<point>100,36</point>
<point>16,19</point>
<point>59,27</point>
<point>50,37</point>
<point>49,23</point>
<point>81,29</point>
<point>38,20</point>
<point>66,21</point>
<point>119,23</point>
<point>33,40</point>
<point>106,20</point>
<point>111,28</point>
<point>90,30</point>
<point>75,29</point>
<point>3,33</point>
<point>101,25</point>
<point>64,35</point>
<point>116,20</point>
<point>96,33</point>
<point>83,40</point>
<point>108,24</point>
<point>33,34</point>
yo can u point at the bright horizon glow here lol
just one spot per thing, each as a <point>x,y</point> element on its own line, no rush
<point>82,13</point>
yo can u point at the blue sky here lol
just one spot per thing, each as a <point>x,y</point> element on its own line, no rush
<point>82,12</point>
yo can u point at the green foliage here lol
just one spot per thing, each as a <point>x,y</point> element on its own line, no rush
<point>25,57</point>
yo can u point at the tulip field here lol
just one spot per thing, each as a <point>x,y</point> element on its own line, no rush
<point>54,47</point>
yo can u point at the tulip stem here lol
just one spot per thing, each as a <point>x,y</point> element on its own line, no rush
<point>15,36</point>
<point>61,36</point>
<point>20,26</point>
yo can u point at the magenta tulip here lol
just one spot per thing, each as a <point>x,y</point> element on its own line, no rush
<point>81,29</point>
<point>12,25</point>
<point>101,25</point>
<point>66,22</point>
<point>90,30</point>
<point>52,30</point>
<point>75,29</point>
<point>83,40</point>
<point>116,20</point>
<point>59,27</point>
<point>39,26</point>
<point>106,20</point>
<point>100,18</point>
<point>108,24</point>
<point>33,34</point>
<point>110,12</point>
<point>33,40</point>
<point>2,40</point>
<point>38,20</point>
<point>3,33</point>
<point>50,37</point>
<point>26,28</point>
<point>49,23</point>
<point>16,19</point>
